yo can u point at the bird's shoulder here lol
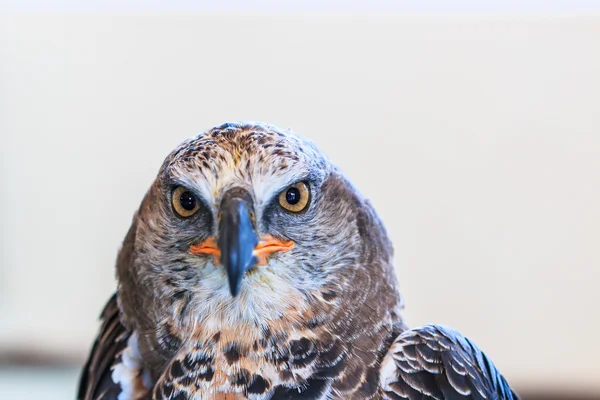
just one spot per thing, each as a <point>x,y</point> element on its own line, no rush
<point>437,362</point>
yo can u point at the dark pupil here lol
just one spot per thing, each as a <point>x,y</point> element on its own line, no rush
<point>292,196</point>
<point>187,201</point>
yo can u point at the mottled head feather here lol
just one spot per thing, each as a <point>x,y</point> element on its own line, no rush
<point>339,268</point>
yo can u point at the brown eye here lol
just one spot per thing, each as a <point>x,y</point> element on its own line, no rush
<point>295,198</point>
<point>184,202</point>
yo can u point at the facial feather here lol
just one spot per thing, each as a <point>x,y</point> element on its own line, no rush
<point>178,299</point>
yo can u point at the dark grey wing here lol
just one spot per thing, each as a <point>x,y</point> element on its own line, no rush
<point>436,362</point>
<point>96,382</point>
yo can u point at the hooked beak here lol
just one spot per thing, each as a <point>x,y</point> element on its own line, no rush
<point>238,248</point>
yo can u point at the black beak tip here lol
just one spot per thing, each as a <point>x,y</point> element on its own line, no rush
<point>235,277</point>
<point>234,288</point>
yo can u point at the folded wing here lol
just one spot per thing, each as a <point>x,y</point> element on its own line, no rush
<point>436,362</point>
<point>96,382</point>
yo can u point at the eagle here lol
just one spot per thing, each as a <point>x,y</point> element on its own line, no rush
<point>254,269</point>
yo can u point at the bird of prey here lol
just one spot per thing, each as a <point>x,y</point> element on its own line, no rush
<point>253,269</point>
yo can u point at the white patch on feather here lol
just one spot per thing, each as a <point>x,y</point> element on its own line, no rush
<point>134,380</point>
<point>388,372</point>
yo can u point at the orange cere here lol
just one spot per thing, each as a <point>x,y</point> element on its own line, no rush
<point>207,247</point>
<point>269,245</point>
<point>266,246</point>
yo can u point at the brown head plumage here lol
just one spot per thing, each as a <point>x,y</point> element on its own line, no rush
<point>335,284</point>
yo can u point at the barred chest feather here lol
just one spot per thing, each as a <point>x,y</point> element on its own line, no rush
<point>276,364</point>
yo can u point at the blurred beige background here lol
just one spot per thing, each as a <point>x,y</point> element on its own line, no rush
<point>476,137</point>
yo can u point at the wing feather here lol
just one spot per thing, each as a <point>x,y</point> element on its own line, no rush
<point>436,362</point>
<point>96,382</point>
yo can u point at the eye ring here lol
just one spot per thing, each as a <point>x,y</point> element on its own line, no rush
<point>184,202</point>
<point>295,198</point>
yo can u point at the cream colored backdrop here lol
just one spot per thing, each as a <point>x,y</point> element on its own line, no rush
<point>478,140</point>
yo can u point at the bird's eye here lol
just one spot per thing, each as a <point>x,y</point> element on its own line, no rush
<point>295,198</point>
<point>184,202</point>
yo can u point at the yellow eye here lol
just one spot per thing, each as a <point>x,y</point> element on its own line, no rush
<point>184,202</point>
<point>295,198</point>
